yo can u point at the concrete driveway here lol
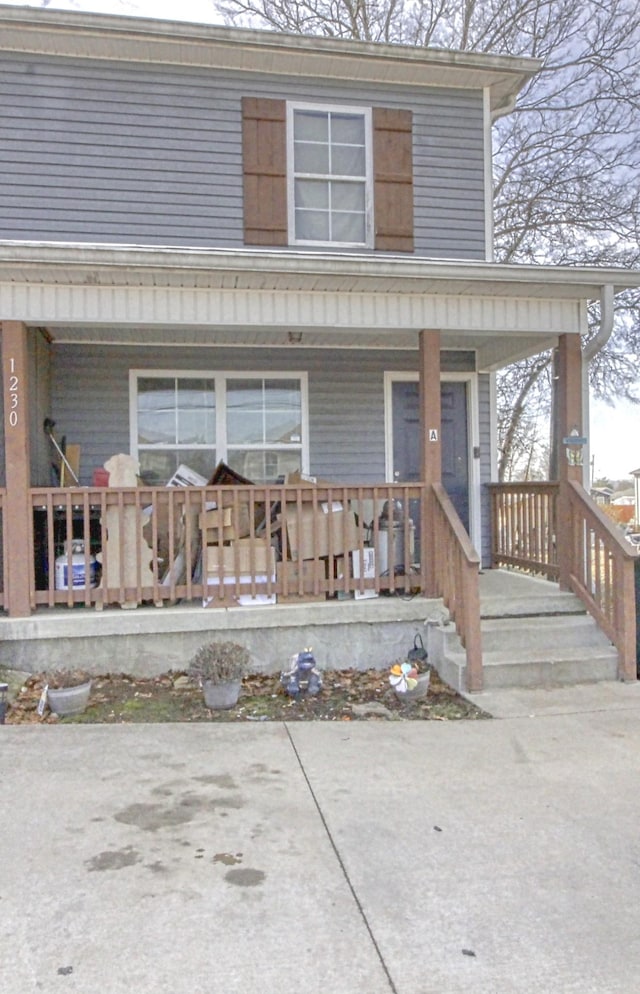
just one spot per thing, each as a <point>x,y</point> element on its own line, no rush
<point>495,857</point>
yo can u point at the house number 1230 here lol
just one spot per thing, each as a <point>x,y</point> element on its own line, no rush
<point>13,394</point>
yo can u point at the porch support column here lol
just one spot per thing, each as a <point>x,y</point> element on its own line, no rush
<point>431,450</point>
<point>17,519</point>
<point>569,419</point>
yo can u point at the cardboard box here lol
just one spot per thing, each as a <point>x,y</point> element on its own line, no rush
<point>218,518</point>
<point>313,534</point>
<point>237,557</point>
<point>291,572</point>
<point>363,564</point>
<point>244,599</point>
<point>226,523</point>
<point>213,536</point>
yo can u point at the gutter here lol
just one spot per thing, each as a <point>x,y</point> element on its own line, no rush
<point>603,334</point>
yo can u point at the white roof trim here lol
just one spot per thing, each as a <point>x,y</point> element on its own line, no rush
<point>88,35</point>
<point>285,270</point>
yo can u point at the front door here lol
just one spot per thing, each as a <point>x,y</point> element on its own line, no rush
<point>455,439</point>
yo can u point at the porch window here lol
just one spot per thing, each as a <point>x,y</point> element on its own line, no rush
<point>256,424</point>
<point>176,423</point>
<point>330,175</point>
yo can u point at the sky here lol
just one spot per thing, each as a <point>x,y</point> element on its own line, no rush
<point>614,435</point>
<point>184,10</point>
<point>615,439</point>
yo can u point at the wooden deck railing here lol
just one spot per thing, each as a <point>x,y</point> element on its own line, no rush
<point>600,566</point>
<point>524,527</point>
<point>602,573</point>
<point>457,566</point>
<point>131,546</point>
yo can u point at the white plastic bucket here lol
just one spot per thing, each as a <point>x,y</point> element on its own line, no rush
<point>78,569</point>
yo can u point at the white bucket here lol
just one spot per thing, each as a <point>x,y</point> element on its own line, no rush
<point>78,569</point>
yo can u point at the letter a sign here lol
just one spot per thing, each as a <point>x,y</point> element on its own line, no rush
<point>433,434</point>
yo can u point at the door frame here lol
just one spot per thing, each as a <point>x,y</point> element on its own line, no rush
<point>473,434</point>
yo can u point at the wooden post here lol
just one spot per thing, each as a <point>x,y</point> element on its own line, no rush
<point>18,518</point>
<point>430,450</point>
<point>569,399</point>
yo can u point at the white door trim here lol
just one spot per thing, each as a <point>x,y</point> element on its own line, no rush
<point>473,430</point>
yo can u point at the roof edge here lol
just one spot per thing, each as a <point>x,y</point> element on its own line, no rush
<point>130,38</point>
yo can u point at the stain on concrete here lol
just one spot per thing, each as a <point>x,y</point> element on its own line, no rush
<point>228,858</point>
<point>151,817</point>
<point>162,792</point>
<point>64,971</point>
<point>245,877</point>
<point>156,867</point>
<point>113,859</point>
<point>222,780</point>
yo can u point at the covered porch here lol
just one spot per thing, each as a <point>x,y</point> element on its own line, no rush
<point>100,298</point>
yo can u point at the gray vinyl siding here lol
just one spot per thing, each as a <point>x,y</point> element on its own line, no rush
<point>131,154</point>
<point>41,451</point>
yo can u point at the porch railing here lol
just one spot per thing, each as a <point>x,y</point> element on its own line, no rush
<point>602,574</point>
<point>223,544</point>
<point>600,563</point>
<point>457,566</point>
<point>524,527</point>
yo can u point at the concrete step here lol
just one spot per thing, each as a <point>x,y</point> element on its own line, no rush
<point>541,633</point>
<point>534,604</point>
<point>541,652</point>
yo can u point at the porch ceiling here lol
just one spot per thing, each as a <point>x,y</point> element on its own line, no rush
<point>172,296</point>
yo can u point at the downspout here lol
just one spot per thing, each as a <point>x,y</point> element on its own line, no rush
<point>591,349</point>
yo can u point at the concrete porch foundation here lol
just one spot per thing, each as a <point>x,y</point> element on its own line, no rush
<point>149,641</point>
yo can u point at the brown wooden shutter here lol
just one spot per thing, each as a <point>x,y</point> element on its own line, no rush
<point>393,179</point>
<point>264,163</point>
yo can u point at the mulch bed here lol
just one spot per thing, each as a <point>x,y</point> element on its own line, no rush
<point>346,696</point>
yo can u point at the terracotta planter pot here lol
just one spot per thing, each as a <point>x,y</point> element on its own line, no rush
<point>221,696</point>
<point>65,701</point>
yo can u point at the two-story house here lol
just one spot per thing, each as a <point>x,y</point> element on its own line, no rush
<point>274,252</point>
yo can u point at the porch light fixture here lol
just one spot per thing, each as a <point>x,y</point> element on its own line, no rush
<point>574,443</point>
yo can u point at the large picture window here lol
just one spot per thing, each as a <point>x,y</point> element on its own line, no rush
<point>329,169</point>
<point>256,424</point>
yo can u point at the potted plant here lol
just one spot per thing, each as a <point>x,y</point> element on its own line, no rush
<point>408,682</point>
<point>219,668</point>
<point>67,691</point>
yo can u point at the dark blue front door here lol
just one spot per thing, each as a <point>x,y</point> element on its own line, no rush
<point>455,439</point>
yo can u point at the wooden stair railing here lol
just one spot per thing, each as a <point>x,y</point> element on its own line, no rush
<point>456,568</point>
<point>601,572</point>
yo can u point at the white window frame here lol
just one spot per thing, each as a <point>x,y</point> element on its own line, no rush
<point>220,378</point>
<point>365,113</point>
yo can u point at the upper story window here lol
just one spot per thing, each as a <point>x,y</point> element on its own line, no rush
<point>330,175</point>
<point>319,174</point>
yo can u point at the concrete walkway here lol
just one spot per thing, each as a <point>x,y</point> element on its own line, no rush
<point>490,857</point>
